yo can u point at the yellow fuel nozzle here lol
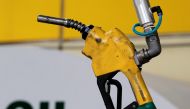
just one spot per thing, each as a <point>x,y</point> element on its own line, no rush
<point>111,51</point>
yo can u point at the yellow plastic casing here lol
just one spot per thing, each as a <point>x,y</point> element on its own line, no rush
<point>113,51</point>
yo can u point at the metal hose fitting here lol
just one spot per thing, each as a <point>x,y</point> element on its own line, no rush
<point>146,20</point>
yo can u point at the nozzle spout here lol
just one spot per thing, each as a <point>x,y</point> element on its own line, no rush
<point>52,20</point>
<point>69,23</point>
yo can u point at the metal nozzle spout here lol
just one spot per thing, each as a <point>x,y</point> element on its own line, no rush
<point>52,20</point>
<point>69,23</point>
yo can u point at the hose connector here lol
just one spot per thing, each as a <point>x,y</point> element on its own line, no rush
<point>146,20</point>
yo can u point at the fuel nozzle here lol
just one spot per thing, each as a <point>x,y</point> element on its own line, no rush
<point>69,23</point>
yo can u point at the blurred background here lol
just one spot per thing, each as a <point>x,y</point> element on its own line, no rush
<point>168,73</point>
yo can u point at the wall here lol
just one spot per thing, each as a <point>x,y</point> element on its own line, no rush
<point>18,20</point>
<point>18,17</point>
<point>121,14</point>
